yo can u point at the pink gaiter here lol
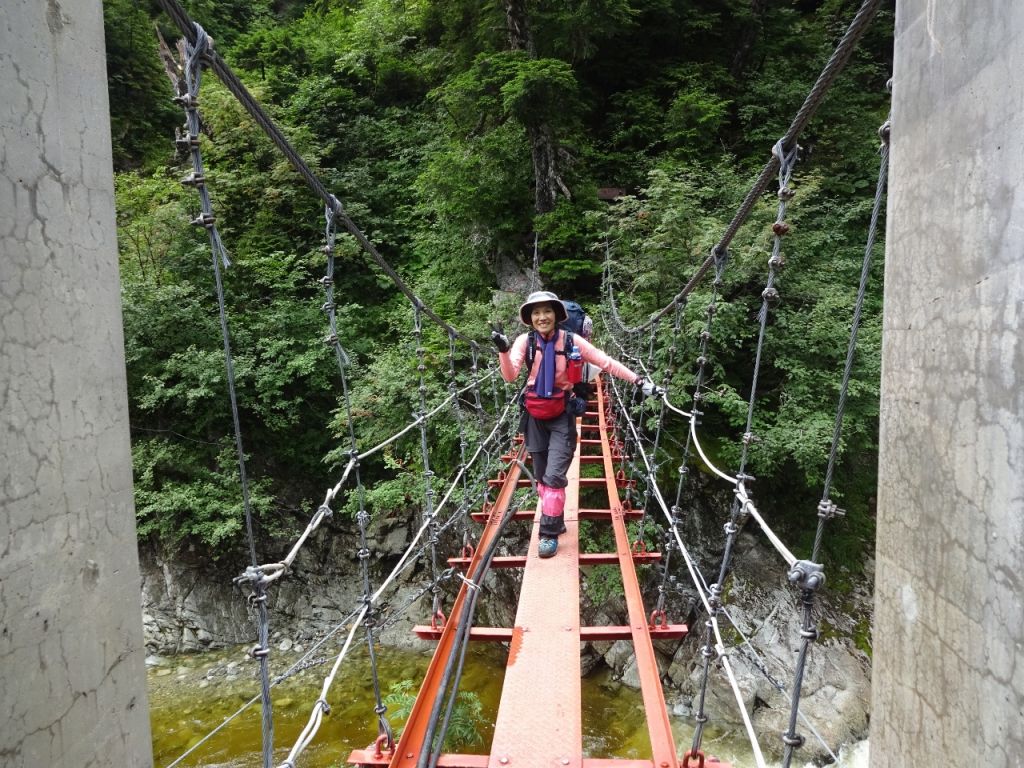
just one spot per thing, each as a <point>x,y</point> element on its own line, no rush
<point>553,501</point>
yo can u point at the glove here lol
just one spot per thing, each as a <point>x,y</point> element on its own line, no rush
<point>649,388</point>
<point>500,340</point>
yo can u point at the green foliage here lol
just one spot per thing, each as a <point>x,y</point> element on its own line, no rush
<point>139,91</point>
<point>422,121</point>
<point>464,726</point>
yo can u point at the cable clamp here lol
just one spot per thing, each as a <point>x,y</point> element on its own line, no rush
<point>469,582</point>
<point>785,193</point>
<point>193,180</point>
<point>204,219</point>
<point>771,294</point>
<point>827,510</point>
<point>884,131</point>
<point>780,228</point>
<point>793,740</point>
<point>806,575</point>
<point>326,280</point>
<point>187,142</point>
<point>252,573</point>
<point>259,652</point>
<point>186,101</point>
<point>328,306</point>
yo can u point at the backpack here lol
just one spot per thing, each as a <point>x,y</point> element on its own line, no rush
<point>578,321</point>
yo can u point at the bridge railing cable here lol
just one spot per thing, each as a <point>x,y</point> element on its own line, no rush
<point>718,649</point>
<point>321,707</point>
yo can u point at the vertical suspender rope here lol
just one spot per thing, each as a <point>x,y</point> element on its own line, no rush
<point>714,602</point>
<point>770,294</point>
<point>810,578</point>
<point>670,541</point>
<point>428,487</point>
<point>460,420</point>
<point>651,475</point>
<point>453,390</point>
<point>385,736</point>
<point>196,55</point>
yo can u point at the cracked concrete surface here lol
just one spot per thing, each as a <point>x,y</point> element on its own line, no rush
<point>948,667</point>
<point>72,681</point>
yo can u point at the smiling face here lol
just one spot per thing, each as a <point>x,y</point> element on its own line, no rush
<point>542,317</point>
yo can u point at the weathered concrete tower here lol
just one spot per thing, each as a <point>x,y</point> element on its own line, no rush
<point>948,682</point>
<point>72,682</point>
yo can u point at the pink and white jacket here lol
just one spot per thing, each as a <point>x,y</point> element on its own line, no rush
<point>512,361</point>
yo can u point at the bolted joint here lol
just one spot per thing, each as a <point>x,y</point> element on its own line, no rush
<point>701,718</point>
<point>884,131</point>
<point>777,262</point>
<point>326,281</point>
<point>702,361</point>
<point>770,294</point>
<point>786,194</point>
<point>711,310</point>
<point>807,575</point>
<point>204,219</point>
<point>827,510</point>
<point>328,306</point>
<point>187,101</point>
<point>330,339</point>
<point>363,553</point>
<point>809,633</point>
<point>731,529</point>
<point>186,143</point>
<point>748,438</point>
<point>324,706</point>
<point>193,180</point>
<point>780,228</point>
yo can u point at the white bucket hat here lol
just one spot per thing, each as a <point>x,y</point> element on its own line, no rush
<point>542,297</point>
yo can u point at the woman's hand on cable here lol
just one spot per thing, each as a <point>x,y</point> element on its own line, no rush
<point>649,388</point>
<point>499,339</point>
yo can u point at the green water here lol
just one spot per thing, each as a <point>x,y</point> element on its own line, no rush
<point>191,695</point>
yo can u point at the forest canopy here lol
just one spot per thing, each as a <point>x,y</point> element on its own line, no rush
<point>457,134</point>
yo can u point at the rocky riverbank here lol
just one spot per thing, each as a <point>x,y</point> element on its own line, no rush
<point>189,606</point>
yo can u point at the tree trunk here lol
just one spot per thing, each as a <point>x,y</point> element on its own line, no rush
<point>543,145</point>
<point>748,37</point>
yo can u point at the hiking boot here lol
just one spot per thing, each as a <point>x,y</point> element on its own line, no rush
<point>547,547</point>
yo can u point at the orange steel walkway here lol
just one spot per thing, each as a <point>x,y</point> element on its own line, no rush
<point>539,719</point>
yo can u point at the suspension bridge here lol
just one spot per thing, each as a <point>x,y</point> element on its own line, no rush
<point>544,642</point>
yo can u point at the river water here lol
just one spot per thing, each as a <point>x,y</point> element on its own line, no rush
<point>191,695</point>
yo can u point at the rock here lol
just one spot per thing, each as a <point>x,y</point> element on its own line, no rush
<point>285,645</point>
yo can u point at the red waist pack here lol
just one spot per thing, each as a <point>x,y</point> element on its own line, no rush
<point>545,407</point>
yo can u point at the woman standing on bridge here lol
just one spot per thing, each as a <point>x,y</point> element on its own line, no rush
<point>551,408</point>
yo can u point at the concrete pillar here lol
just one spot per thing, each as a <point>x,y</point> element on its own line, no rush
<point>72,679</point>
<point>948,675</point>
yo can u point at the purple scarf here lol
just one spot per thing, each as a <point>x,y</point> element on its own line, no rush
<point>544,384</point>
